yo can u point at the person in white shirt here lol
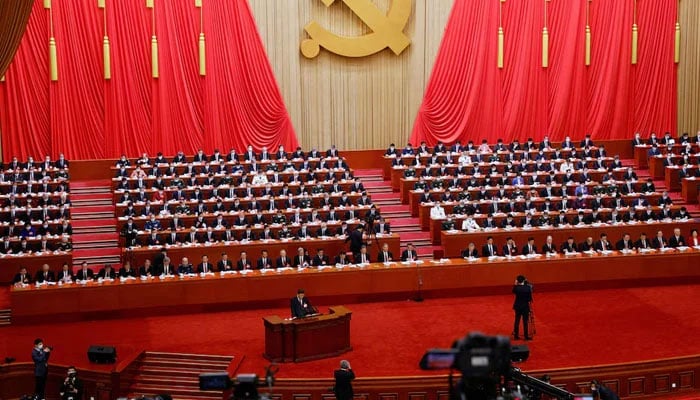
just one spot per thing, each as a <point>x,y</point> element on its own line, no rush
<point>437,212</point>
<point>464,159</point>
<point>694,239</point>
<point>260,178</point>
<point>470,225</point>
<point>565,166</point>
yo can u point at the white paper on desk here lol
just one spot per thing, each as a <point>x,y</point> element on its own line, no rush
<point>245,271</point>
<point>322,267</point>
<point>534,256</point>
<point>284,269</point>
<point>571,253</point>
<point>606,252</point>
<point>696,247</point>
<point>266,270</point>
<point>667,249</point>
<point>682,248</point>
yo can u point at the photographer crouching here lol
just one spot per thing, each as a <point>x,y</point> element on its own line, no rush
<point>72,386</point>
<point>523,297</point>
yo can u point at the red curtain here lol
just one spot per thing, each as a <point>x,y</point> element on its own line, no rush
<point>469,98</point>
<point>85,116</point>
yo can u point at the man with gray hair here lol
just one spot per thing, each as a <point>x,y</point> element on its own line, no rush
<point>343,381</point>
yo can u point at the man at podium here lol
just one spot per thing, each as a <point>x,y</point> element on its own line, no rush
<point>300,305</point>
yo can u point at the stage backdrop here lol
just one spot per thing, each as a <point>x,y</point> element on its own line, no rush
<point>470,98</point>
<point>86,116</point>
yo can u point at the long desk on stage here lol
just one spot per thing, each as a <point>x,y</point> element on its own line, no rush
<point>331,246</point>
<point>10,264</point>
<point>309,338</point>
<point>455,242</point>
<point>456,277</point>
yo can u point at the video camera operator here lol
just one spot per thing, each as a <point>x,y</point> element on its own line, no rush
<point>523,297</point>
<point>602,392</point>
<point>72,386</point>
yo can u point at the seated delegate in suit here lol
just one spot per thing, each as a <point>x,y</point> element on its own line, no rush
<point>224,264</point>
<point>342,259</point>
<point>264,262</point>
<point>243,263</point>
<point>569,246</point>
<point>529,248</point>
<point>362,257</point>
<point>301,260</point>
<point>126,271</point>
<point>185,267</point>
<point>205,266</point>
<point>470,251</point>
<point>603,244</point>
<point>300,305</point>
<point>320,259</point>
<point>659,242</point>
<point>489,249</point>
<point>84,273</point>
<point>107,272</point>
<point>625,243</point>
<point>45,275</point>
<point>22,277</point>
<point>677,239</point>
<point>385,256</point>
<point>410,254</point>
<point>283,261</point>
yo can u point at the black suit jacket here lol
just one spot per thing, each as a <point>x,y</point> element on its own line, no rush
<point>675,242</point>
<point>485,250</point>
<point>343,385</point>
<point>473,253</point>
<point>287,262</point>
<point>380,257</point>
<point>241,266</point>
<point>50,277</point>
<point>264,265</point>
<point>41,362</point>
<point>523,297</point>
<point>317,261</point>
<point>301,308</point>
<point>405,255</point>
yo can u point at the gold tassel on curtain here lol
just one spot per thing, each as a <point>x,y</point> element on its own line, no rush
<point>154,56</point>
<point>677,42</point>
<point>53,62</point>
<point>47,3</point>
<point>2,78</point>
<point>500,33</point>
<point>202,42</point>
<point>106,57</point>
<point>149,3</point>
<point>545,39</point>
<point>635,34</point>
<point>588,33</point>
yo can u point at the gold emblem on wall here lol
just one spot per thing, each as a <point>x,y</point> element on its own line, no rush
<point>387,31</point>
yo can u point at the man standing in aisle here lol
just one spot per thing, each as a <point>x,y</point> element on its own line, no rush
<point>523,297</point>
<point>343,381</point>
<point>40,356</point>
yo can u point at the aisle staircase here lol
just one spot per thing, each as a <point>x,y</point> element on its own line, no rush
<point>174,374</point>
<point>397,214</point>
<point>5,317</point>
<point>95,237</point>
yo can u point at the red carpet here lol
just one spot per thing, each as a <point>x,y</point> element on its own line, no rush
<point>578,328</point>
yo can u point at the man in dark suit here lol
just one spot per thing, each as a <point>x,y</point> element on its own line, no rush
<point>659,242</point>
<point>603,244</point>
<point>677,239</point>
<point>22,277</point>
<point>410,254</point>
<point>625,243</point>
<point>523,297</point>
<point>40,356</point>
<point>385,255</point>
<point>264,262</point>
<point>300,305</point>
<point>283,261</point>
<point>343,381</point>
<point>205,266</point>
<point>489,249</point>
<point>470,251</point>
<point>643,242</point>
<point>243,262</point>
<point>84,273</point>
<point>529,248</point>
<point>45,275</point>
<point>224,264</point>
<point>320,259</point>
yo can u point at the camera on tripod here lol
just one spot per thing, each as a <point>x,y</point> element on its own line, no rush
<point>487,373</point>
<point>245,386</point>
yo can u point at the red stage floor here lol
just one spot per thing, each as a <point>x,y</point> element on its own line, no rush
<point>577,328</point>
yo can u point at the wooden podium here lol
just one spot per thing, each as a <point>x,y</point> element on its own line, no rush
<point>309,338</point>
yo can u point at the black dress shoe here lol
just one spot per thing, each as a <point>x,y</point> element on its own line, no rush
<point>516,337</point>
<point>528,338</point>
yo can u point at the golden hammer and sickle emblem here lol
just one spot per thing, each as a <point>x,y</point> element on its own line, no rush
<point>387,31</point>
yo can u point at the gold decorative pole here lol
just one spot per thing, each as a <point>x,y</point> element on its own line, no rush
<point>677,42</point>
<point>202,43</point>
<point>545,39</point>
<point>154,42</point>
<point>106,56</point>
<point>500,33</point>
<point>53,61</point>
<point>588,33</point>
<point>635,34</point>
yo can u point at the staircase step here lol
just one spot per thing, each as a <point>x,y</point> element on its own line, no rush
<point>96,237</point>
<point>97,222</point>
<point>183,364</point>
<point>88,203</point>
<point>75,216</point>
<point>96,245</point>
<point>93,230</point>
<point>177,391</point>
<point>203,396</point>
<point>150,355</point>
